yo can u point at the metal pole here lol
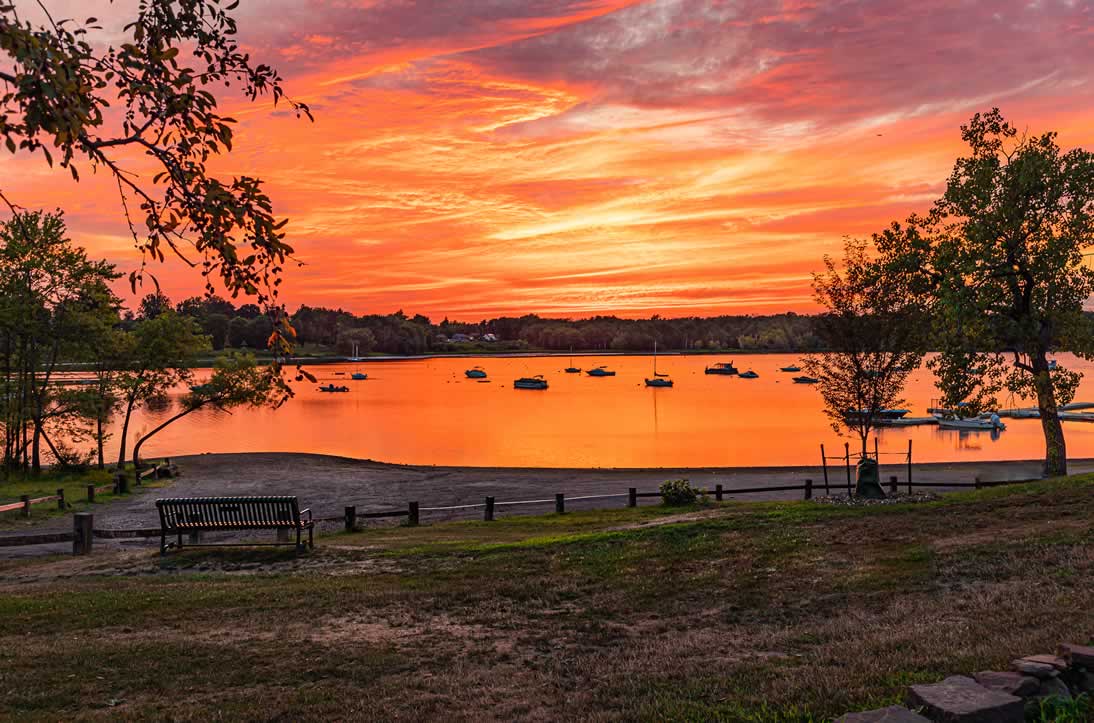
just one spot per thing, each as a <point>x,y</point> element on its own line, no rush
<point>847,461</point>
<point>909,466</point>
<point>824,466</point>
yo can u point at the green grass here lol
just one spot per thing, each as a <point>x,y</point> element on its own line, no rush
<point>45,485</point>
<point>768,612</point>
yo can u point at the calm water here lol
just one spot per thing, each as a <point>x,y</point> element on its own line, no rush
<point>426,412</point>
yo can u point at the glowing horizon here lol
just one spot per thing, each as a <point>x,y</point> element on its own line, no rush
<point>627,157</point>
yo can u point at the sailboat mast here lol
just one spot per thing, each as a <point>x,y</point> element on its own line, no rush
<point>655,357</point>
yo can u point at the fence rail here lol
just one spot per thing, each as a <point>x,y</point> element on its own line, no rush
<point>83,532</point>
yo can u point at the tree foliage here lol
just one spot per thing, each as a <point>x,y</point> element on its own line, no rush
<point>149,98</point>
<point>873,331</point>
<point>1001,260</point>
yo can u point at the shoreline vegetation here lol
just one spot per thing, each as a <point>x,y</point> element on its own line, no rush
<point>769,611</point>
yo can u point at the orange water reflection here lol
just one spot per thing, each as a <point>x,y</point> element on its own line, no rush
<point>427,412</point>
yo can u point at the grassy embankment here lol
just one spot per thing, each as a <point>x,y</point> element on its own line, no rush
<point>758,612</point>
<point>75,487</point>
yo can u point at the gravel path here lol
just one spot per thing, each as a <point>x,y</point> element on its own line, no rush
<point>328,484</point>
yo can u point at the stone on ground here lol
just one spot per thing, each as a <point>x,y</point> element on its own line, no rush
<point>1054,687</point>
<point>1054,660</point>
<point>892,714</point>
<point>960,699</point>
<point>1077,655</point>
<point>1010,682</point>
<point>1037,670</point>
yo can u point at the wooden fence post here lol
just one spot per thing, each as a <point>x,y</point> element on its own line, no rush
<point>61,498</point>
<point>632,497</point>
<point>25,499</point>
<point>82,529</point>
<point>892,484</point>
<point>121,484</point>
<point>847,461</point>
<point>808,489</point>
<point>877,455</point>
<point>488,511</point>
<point>90,494</point>
<point>824,466</point>
<point>909,466</point>
<point>560,503</point>
<point>412,514</point>
<point>351,518</point>
<point>718,492</point>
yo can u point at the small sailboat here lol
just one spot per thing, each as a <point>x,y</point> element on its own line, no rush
<point>806,380</point>
<point>572,369</point>
<point>358,376</point>
<point>791,368</point>
<point>475,373</point>
<point>658,380</point>
<point>724,368</point>
<point>536,382</point>
<point>601,372</point>
<point>749,375</point>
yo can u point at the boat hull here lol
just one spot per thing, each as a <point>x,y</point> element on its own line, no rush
<point>658,382</point>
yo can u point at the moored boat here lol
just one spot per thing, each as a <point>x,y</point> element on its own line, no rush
<point>332,388</point>
<point>986,422</point>
<point>658,380</point>
<point>475,373</point>
<point>536,382</point>
<point>749,375</point>
<point>724,368</point>
<point>572,369</point>
<point>805,380</point>
<point>600,372</point>
<point>358,376</point>
<point>791,368</point>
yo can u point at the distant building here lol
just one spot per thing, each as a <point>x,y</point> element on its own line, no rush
<point>489,337</point>
<point>460,337</point>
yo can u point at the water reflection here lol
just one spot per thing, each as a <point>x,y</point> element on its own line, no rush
<point>428,412</point>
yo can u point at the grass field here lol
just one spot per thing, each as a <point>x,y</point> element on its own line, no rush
<point>743,612</point>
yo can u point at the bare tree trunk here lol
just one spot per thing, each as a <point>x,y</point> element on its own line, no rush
<point>1055,446</point>
<point>145,438</point>
<point>125,433</point>
<point>99,439</point>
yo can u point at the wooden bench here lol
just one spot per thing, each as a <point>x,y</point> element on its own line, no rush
<point>192,515</point>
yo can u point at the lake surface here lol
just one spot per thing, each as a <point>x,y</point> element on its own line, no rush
<point>426,412</point>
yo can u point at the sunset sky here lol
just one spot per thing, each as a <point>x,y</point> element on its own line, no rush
<point>471,158</point>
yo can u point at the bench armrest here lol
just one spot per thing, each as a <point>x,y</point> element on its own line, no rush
<point>305,511</point>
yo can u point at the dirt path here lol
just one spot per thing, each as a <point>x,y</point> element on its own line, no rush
<point>328,484</point>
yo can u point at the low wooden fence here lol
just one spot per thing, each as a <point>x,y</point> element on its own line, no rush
<point>120,485</point>
<point>83,532</point>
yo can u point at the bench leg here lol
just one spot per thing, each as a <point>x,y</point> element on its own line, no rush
<point>163,543</point>
<point>180,540</point>
<point>311,537</point>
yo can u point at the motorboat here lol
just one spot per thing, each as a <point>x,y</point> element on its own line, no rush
<point>600,372</point>
<point>988,422</point>
<point>724,368</point>
<point>475,373</point>
<point>358,376</point>
<point>749,375</point>
<point>806,380</point>
<point>332,388</point>
<point>791,368</point>
<point>536,382</point>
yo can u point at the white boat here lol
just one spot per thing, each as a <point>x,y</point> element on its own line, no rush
<point>983,422</point>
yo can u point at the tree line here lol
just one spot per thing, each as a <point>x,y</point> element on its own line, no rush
<point>340,331</point>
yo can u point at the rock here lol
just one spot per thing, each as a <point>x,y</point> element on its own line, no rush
<point>1084,683</point>
<point>1077,655</point>
<point>1037,670</point>
<point>892,714</point>
<point>1010,682</point>
<point>1054,660</point>
<point>960,699</point>
<point>1054,687</point>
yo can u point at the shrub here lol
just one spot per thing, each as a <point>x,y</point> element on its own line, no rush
<point>676,492</point>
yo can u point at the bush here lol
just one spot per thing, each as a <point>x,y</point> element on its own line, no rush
<point>677,492</point>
